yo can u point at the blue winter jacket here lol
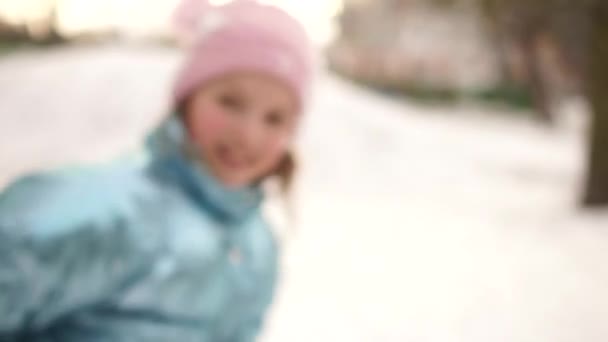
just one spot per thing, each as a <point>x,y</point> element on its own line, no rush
<point>153,249</point>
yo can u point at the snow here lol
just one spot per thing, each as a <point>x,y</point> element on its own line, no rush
<point>414,222</point>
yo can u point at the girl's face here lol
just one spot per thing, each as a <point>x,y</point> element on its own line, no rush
<point>242,125</point>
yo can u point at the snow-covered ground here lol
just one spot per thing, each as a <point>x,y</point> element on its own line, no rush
<point>414,223</point>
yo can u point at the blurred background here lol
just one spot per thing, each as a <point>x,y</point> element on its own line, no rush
<point>454,163</point>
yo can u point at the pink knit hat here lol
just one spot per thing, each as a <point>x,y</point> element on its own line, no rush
<point>242,35</point>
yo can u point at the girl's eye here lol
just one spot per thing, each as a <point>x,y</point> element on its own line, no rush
<point>230,102</point>
<point>275,119</point>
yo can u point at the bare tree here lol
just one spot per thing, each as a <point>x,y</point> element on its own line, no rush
<point>596,193</point>
<point>19,32</point>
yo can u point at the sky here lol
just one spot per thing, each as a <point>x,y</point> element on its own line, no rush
<point>150,16</point>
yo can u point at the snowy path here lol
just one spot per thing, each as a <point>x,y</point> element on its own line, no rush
<point>415,223</point>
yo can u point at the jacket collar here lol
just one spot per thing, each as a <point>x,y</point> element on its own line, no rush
<point>167,147</point>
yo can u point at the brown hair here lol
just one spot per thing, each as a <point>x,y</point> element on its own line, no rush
<point>285,172</point>
<point>283,177</point>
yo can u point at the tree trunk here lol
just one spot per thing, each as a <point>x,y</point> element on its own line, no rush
<point>597,173</point>
<point>534,74</point>
<point>54,36</point>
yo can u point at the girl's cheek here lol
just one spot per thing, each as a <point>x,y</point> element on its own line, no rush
<point>207,124</point>
<point>277,146</point>
<point>215,120</point>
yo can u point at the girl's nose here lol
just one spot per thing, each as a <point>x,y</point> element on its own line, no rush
<point>250,132</point>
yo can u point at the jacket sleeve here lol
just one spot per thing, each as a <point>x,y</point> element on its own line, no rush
<point>59,252</point>
<point>253,323</point>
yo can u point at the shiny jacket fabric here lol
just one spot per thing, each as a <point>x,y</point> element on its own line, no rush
<point>146,249</point>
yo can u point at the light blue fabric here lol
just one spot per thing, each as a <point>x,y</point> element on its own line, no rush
<point>152,250</point>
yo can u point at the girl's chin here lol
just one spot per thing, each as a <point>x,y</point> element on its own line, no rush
<point>233,176</point>
<point>234,181</point>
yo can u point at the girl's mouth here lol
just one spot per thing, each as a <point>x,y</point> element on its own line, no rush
<point>231,159</point>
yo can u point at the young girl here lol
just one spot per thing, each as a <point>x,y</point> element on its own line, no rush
<point>172,248</point>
